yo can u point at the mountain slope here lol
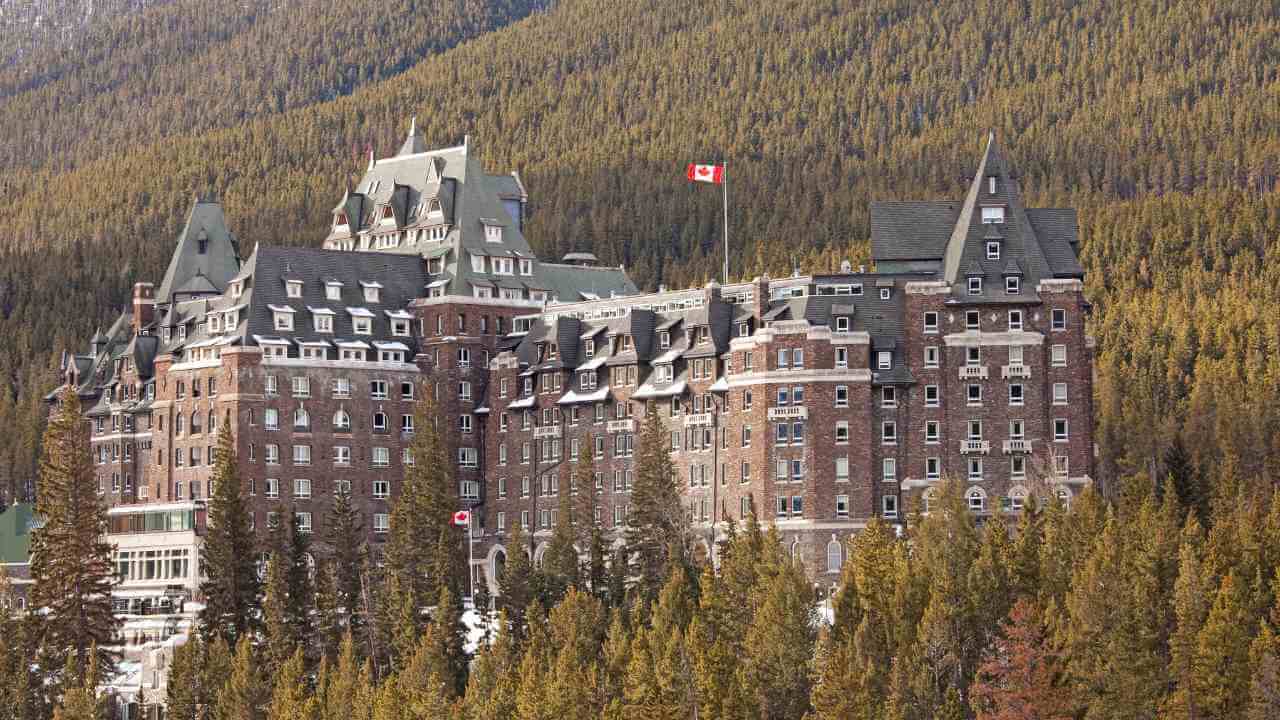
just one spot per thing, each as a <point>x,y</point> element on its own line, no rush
<point>1160,120</point>
<point>187,66</point>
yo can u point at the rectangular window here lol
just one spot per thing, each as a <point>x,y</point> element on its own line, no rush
<point>889,397</point>
<point>273,488</point>
<point>1059,430</point>
<point>974,394</point>
<point>1058,355</point>
<point>842,469</point>
<point>381,489</point>
<point>971,319</point>
<point>842,357</point>
<point>993,250</point>
<point>301,454</point>
<point>889,433</point>
<point>301,488</point>
<point>975,468</point>
<point>975,286</point>
<point>931,322</point>
<point>842,506</point>
<point>381,523</point>
<point>1059,393</point>
<point>1016,396</point>
<point>381,457</point>
<point>1018,466</point>
<point>1015,320</point>
<point>931,356</point>
<point>842,396</point>
<point>931,434</point>
<point>890,505</point>
<point>992,215</point>
<point>884,360</point>
<point>842,433</point>
<point>784,358</point>
<point>1012,285</point>
<point>1059,319</point>
<point>931,397</point>
<point>932,468</point>
<point>890,470</point>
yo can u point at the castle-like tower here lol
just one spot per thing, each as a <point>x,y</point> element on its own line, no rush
<point>821,401</point>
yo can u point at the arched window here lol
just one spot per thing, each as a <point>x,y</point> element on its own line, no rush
<point>195,422</point>
<point>341,420</point>
<point>213,421</point>
<point>927,499</point>
<point>379,421</point>
<point>1017,497</point>
<point>796,552</point>
<point>835,556</point>
<point>977,499</point>
<point>301,420</point>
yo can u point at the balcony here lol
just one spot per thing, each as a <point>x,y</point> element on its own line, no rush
<point>1015,371</point>
<point>973,372</point>
<point>971,447</point>
<point>1011,447</point>
<point>546,431</point>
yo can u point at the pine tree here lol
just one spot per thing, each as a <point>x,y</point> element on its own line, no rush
<point>493,682</point>
<point>778,650</point>
<point>281,638</point>
<point>81,701</point>
<point>590,532</point>
<point>1191,607</point>
<point>1020,677</point>
<point>1221,667</point>
<point>190,693</point>
<point>244,696</point>
<point>19,699</point>
<point>447,619</point>
<point>338,694</point>
<point>656,523</point>
<point>345,534</point>
<point>1264,685</point>
<point>291,700</point>
<point>560,562</point>
<point>328,613</point>
<point>516,593</point>
<point>231,587</point>
<point>71,567</point>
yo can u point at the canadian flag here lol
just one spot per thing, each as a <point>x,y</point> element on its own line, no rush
<point>706,173</point>
<point>462,518</point>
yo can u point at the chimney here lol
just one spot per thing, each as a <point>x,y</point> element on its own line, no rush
<point>144,306</point>
<point>711,293</point>
<point>761,297</point>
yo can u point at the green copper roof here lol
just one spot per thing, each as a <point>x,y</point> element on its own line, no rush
<point>15,534</point>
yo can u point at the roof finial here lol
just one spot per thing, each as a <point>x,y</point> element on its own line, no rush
<point>370,157</point>
<point>413,125</point>
<point>466,142</point>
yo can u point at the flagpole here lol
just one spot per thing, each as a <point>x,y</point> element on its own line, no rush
<point>725,178</point>
<point>471,570</point>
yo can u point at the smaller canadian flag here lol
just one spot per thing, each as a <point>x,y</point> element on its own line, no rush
<point>706,173</point>
<point>462,518</point>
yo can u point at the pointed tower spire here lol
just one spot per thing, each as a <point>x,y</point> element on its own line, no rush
<point>413,144</point>
<point>370,158</point>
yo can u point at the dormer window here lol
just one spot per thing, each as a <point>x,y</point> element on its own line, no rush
<point>884,360</point>
<point>400,328</point>
<point>282,318</point>
<point>589,348</point>
<point>293,288</point>
<point>842,324</point>
<point>435,266</point>
<point>493,233</point>
<point>993,250</point>
<point>664,339</point>
<point>371,291</point>
<point>340,219</point>
<point>885,293</point>
<point>991,184</point>
<point>975,286</point>
<point>323,320</point>
<point>526,267</point>
<point>1012,285</point>
<point>477,263</point>
<point>387,213</point>
<point>237,289</point>
<point>333,290</point>
<point>362,326</point>
<point>992,215</point>
<point>433,208</point>
<point>744,329</point>
<point>626,342</point>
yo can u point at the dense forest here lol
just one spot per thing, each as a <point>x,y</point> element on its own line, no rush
<point>1158,120</point>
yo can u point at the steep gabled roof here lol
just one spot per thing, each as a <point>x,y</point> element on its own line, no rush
<point>206,226</point>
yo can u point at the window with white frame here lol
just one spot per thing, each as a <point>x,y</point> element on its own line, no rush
<point>974,394</point>
<point>371,294</point>
<point>468,457</point>
<point>1016,394</point>
<point>993,249</point>
<point>1015,320</point>
<point>341,455</point>
<point>932,435</point>
<point>931,356</point>
<point>842,357</point>
<point>273,488</point>
<point>975,468</point>
<point>465,423</point>
<point>889,432</point>
<point>992,215</point>
<point>971,320</point>
<point>889,505</point>
<point>323,322</point>
<point>283,320</point>
<point>884,360</point>
<point>889,469</point>
<point>1018,466</point>
<point>975,285</point>
<point>931,322</point>
<point>1059,429</point>
<point>842,433</point>
<point>270,419</point>
<point>977,499</point>
<point>381,523</point>
<point>1012,285</point>
<point>1058,319</point>
<point>889,397</point>
<point>931,396</point>
<point>1059,393</point>
<point>301,454</point>
<point>932,468</point>
<point>301,488</point>
<point>1058,355</point>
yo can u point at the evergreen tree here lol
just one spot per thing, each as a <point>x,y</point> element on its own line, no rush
<point>328,613</point>
<point>1020,677</point>
<point>231,587</point>
<point>1191,607</point>
<point>778,650</point>
<point>81,701</point>
<point>1221,666</point>
<point>590,532</point>
<point>19,699</point>
<point>1264,686</point>
<point>345,534</point>
<point>338,696</point>
<point>515,583</point>
<point>280,635</point>
<point>291,699</point>
<point>560,562</point>
<point>452,632</point>
<point>656,523</point>
<point>244,696</point>
<point>494,679</point>
<point>197,673</point>
<point>71,567</point>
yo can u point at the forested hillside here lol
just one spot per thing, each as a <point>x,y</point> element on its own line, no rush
<point>1159,120</point>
